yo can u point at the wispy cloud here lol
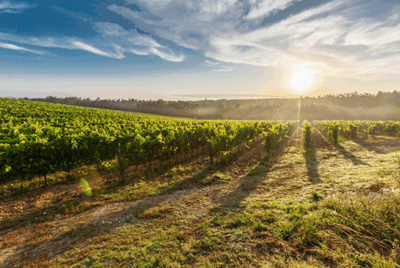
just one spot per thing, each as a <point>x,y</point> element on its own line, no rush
<point>19,48</point>
<point>113,42</point>
<point>346,36</point>
<point>210,63</point>
<point>224,69</point>
<point>130,41</point>
<point>13,6</point>
<point>55,42</point>
<point>263,8</point>
<point>91,49</point>
<point>217,66</point>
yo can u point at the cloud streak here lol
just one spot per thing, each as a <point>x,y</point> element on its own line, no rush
<point>217,66</point>
<point>263,8</point>
<point>13,7</point>
<point>91,49</point>
<point>50,42</point>
<point>130,41</point>
<point>114,42</point>
<point>19,48</point>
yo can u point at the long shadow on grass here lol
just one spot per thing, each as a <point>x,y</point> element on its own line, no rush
<point>59,208</point>
<point>322,141</point>
<point>248,184</point>
<point>354,159</point>
<point>99,225</point>
<point>370,147</point>
<point>318,141</point>
<point>106,223</point>
<point>312,165</point>
<point>383,147</point>
<point>251,181</point>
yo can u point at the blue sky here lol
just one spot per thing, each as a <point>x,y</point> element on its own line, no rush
<point>163,48</point>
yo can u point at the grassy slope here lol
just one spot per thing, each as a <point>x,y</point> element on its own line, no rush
<point>303,209</point>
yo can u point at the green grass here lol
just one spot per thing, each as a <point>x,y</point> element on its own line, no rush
<point>343,231</point>
<point>315,196</point>
<point>217,177</point>
<point>258,170</point>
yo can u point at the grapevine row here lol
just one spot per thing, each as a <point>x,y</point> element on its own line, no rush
<point>352,129</point>
<point>37,139</point>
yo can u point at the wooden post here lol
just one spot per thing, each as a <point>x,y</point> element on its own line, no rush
<point>98,163</point>
<point>119,162</point>
<point>353,130</point>
<point>211,153</point>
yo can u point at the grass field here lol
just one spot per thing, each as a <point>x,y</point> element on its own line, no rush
<point>301,208</point>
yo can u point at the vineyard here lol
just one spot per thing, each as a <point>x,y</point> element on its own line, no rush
<point>137,190</point>
<point>355,129</point>
<point>37,139</point>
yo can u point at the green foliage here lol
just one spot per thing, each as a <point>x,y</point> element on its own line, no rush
<point>307,130</point>
<point>258,170</point>
<point>261,227</point>
<point>372,130</point>
<point>275,134</point>
<point>109,166</point>
<point>315,196</point>
<point>329,128</point>
<point>240,220</point>
<point>353,129</point>
<point>37,138</point>
<point>225,139</point>
<point>334,134</point>
<point>86,187</point>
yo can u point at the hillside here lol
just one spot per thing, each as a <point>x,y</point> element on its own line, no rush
<point>325,206</point>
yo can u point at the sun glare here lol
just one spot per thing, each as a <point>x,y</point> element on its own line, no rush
<point>301,80</point>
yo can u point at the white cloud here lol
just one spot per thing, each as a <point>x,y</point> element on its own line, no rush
<point>58,42</point>
<point>89,48</point>
<point>190,24</point>
<point>223,69</point>
<point>13,7</point>
<point>114,42</point>
<point>19,48</point>
<point>263,8</point>
<point>210,63</point>
<point>345,36</point>
<point>133,42</point>
<point>217,66</point>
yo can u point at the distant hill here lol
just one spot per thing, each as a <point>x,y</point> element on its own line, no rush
<point>26,94</point>
<point>351,106</point>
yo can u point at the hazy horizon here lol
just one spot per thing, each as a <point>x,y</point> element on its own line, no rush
<point>181,97</point>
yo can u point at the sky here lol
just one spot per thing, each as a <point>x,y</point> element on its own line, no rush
<point>177,49</point>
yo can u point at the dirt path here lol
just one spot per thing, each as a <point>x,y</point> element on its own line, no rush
<point>195,198</point>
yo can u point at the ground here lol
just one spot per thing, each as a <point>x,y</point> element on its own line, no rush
<point>249,212</point>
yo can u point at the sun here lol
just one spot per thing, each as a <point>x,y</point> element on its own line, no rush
<point>301,80</point>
